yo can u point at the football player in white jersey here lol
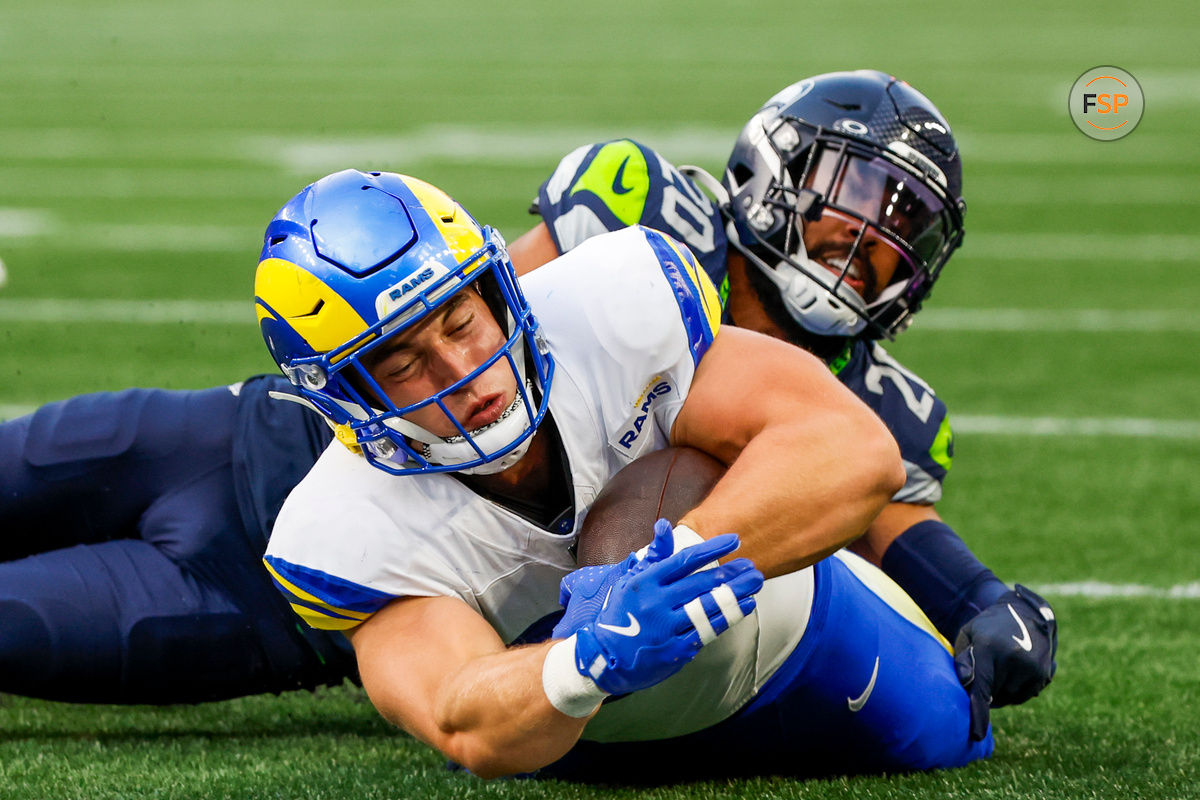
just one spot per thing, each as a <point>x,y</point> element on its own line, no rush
<point>477,418</point>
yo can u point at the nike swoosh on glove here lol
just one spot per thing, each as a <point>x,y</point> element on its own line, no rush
<point>1005,654</point>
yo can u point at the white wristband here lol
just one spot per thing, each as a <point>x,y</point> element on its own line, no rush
<point>571,692</point>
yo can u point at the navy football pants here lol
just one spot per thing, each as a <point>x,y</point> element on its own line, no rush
<point>127,575</point>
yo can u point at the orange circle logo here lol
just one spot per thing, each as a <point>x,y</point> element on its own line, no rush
<point>1106,103</point>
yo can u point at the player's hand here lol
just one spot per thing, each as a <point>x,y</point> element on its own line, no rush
<point>663,610</point>
<point>583,592</point>
<point>1005,654</point>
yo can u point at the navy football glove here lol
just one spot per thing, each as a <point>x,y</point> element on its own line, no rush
<point>658,615</point>
<point>1005,654</point>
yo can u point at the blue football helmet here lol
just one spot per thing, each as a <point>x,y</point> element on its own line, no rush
<point>863,149</point>
<point>356,258</point>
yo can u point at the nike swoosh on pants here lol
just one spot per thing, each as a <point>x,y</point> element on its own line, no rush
<point>856,703</point>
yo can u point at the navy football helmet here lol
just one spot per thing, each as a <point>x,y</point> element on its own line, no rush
<point>866,154</point>
<point>356,258</point>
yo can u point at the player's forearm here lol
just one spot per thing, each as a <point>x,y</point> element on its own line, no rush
<point>793,511</point>
<point>434,667</point>
<point>494,718</point>
<point>939,572</point>
<point>810,463</point>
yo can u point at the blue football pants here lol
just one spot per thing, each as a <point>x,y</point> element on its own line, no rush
<point>816,715</point>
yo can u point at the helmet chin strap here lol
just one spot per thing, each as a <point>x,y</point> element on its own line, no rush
<point>809,296</point>
<point>511,425</point>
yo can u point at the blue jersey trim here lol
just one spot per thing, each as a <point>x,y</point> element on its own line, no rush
<point>329,592</point>
<point>693,302</point>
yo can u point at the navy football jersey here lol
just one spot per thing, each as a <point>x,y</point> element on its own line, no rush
<point>912,412</point>
<point>609,185</point>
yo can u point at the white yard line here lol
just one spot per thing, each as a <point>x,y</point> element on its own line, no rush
<point>60,234</point>
<point>20,223</point>
<point>544,144</point>
<point>14,410</point>
<point>1036,247</point>
<point>136,312</point>
<point>980,425</point>
<point>154,312</point>
<point>1099,589</point>
<point>1070,320</point>
<point>1138,428</point>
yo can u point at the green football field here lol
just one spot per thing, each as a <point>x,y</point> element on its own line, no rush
<point>144,145</point>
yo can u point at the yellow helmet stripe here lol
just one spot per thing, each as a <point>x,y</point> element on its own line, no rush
<point>460,233</point>
<point>314,310</point>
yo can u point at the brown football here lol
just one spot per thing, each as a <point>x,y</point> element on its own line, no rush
<point>666,483</point>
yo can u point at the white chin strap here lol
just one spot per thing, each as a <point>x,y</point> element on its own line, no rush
<point>810,298</point>
<point>812,302</point>
<point>511,425</point>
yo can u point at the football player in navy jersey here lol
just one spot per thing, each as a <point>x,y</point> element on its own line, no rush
<point>172,495</point>
<point>838,209</point>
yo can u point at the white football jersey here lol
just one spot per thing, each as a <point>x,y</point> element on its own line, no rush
<point>627,316</point>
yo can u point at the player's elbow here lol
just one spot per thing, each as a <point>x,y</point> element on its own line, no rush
<point>480,757</point>
<point>886,473</point>
<point>479,762</point>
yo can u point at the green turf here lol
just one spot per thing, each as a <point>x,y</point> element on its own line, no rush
<point>144,145</point>
<point>1118,722</point>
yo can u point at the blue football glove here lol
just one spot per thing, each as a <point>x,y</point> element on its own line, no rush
<point>583,592</point>
<point>1005,654</point>
<point>658,615</point>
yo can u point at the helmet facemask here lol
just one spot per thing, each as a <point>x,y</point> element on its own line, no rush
<point>340,384</point>
<point>890,206</point>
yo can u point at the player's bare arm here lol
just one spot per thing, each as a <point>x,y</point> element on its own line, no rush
<point>810,465</point>
<point>532,249</point>
<point>894,520</point>
<point>435,667</point>
<point>461,691</point>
